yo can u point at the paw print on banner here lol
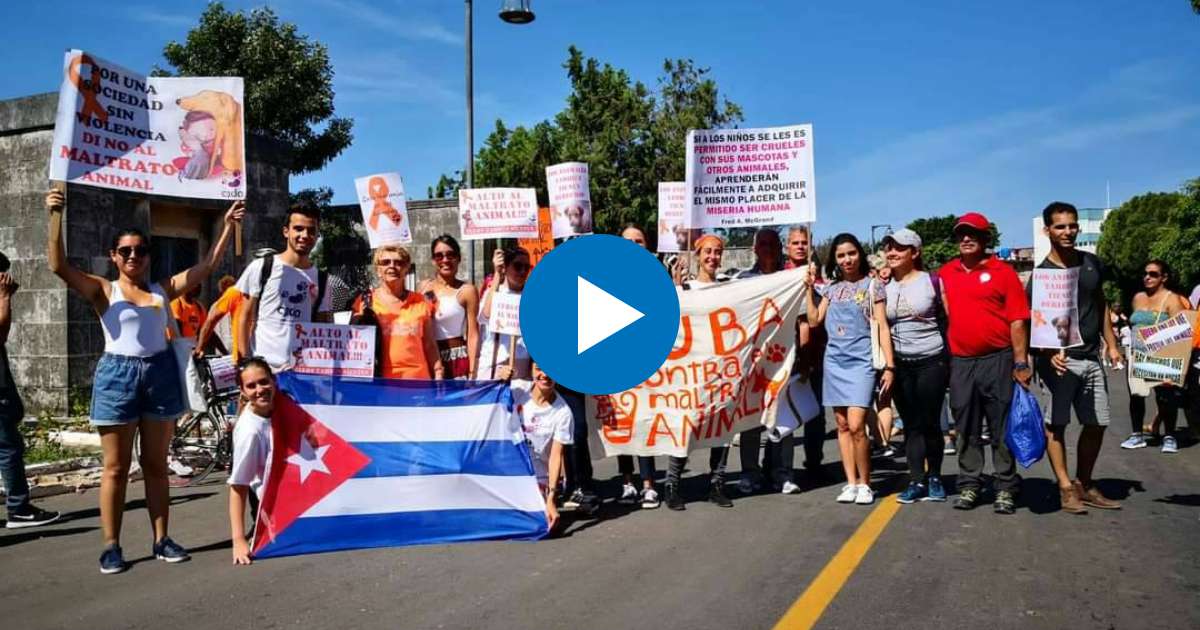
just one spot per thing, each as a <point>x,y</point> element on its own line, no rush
<point>776,353</point>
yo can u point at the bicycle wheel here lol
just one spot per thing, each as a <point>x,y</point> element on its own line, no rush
<point>198,445</point>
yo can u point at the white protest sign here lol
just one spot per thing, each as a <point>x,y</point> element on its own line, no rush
<point>731,362</point>
<point>570,199</point>
<point>334,349</point>
<point>497,213</point>
<point>1055,310</point>
<point>1160,352</point>
<point>506,314</point>
<point>674,222</point>
<point>751,177</point>
<point>119,129</point>
<point>384,210</point>
<point>1158,336</point>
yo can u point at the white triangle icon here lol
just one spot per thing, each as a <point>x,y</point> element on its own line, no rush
<point>600,315</point>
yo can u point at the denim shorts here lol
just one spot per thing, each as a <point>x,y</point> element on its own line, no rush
<point>126,389</point>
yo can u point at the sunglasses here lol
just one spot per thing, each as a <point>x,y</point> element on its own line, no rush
<point>128,250</point>
<point>445,256</point>
<point>392,262</point>
<point>1153,274</point>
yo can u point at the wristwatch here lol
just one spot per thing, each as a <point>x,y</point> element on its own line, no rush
<point>1020,365</point>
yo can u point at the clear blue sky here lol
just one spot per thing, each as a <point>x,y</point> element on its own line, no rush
<point>918,108</point>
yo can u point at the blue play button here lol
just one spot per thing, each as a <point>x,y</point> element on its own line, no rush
<point>599,314</point>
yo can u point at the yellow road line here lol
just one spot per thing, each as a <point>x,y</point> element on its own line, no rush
<point>808,608</point>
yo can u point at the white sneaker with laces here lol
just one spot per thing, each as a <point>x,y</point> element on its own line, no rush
<point>629,495</point>
<point>179,468</point>
<point>1169,445</point>
<point>790,488</point>
<point>848,495</point>
<point>1134,441</point>
<point>864,495</point>
<point>650,498</point>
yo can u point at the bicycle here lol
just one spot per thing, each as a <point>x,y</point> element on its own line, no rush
<point>203,441</point>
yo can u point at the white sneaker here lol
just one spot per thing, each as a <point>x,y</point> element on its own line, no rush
<point>848,495</point>
<point>1169,445</point>
<point>790,488</point>
<point>864,495</point>
<point>629,495</point>
<point>650,498</point>
<point>1134,441</point>
<point>179,468</point>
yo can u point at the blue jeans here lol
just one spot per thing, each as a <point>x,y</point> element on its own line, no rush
<point>12,450</point>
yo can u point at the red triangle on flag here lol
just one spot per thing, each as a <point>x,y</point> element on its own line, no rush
<point>292,489</point>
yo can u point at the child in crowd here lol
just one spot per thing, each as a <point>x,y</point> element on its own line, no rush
<point>546,422</point>
<point>251,450</point>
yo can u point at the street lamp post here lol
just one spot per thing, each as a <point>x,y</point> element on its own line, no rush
<point>513,12</point>
<point>873,228</point>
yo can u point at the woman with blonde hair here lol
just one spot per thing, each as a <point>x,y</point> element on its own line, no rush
<point>405,346</point>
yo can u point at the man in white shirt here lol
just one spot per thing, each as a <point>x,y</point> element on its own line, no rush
<point>292,292</point>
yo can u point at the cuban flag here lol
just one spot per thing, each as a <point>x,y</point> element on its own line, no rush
<point>378,463</point>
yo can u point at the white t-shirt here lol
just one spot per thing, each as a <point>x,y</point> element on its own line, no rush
<point>542,425</point>
<point>251,451</point>
<point>288,298</point>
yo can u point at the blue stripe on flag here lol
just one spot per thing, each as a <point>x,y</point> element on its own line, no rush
<point>485,457</point>
<point>336,533</point>
<point>316,389</point>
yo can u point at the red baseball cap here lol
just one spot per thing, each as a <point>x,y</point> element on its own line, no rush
<point>973,220</point>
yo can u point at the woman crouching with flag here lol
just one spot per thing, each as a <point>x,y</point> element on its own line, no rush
<point>251,450</point>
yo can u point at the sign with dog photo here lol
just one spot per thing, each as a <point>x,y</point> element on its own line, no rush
<point>1054,309</point>
<point>120,129</point>
<point>384,212</point>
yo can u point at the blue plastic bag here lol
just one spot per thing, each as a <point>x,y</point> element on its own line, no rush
<point>1025,436</point>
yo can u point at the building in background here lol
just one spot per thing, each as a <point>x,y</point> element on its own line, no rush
<point>1090,221</point>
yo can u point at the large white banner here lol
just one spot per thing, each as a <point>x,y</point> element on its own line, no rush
<point>731,361</point>
<point>497,213</point>
<point>751,177</point>
<point>384,211</point>
<point>674,222</point>
<point>334,349</point>
<point>570,199</point>
<point>119,129</point>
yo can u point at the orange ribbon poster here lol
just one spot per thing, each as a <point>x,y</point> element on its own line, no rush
<point>384,210</point>
<point>540,246</point>
<point>120,129</point>
<point>731,362</point>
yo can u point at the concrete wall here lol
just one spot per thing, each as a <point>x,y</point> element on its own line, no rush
<point>56,337</point>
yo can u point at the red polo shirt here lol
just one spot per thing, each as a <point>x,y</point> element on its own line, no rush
<point>983,303</point>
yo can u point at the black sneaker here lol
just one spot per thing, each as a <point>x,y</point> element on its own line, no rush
<point>29,516</point>
<point>967,499</point>
<point>112,560</point>
<point>674,501</point>
<point>716,495</point>
<point>170,551</point>
<point>1005,503</point>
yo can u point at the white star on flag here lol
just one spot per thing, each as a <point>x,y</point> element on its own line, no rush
<point>308,459</point>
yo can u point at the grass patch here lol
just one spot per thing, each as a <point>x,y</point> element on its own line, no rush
<point>41,446</point>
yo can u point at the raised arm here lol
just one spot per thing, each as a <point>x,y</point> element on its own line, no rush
<point>94,289</point>
<point>187,279</point>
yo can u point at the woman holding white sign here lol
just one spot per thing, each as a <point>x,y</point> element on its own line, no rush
<point>406,347</point>
<point>136,387</point>
<point>1155,305</point>
<point>499,350</point>
<point>456,310</point>
<point>852,305</point>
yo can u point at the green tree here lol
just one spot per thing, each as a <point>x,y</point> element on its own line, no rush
<point>288,79</point>
<point>937,238</point>
<point>1179,244</point>
<point>630,136</point>
<point>1128,235</point>
<point>343,247</point>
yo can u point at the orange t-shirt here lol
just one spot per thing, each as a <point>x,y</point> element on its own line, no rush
<point>227,305</point>
<point>402,327</point>
<point>190,316</point>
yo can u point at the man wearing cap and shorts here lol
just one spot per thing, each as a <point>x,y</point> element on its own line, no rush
<point>1075,376</point>
<point>988,337</point>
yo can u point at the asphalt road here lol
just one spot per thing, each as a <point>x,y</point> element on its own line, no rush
<point>707,567</point>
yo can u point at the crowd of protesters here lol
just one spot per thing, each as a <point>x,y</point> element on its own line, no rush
<point>945,348</point>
